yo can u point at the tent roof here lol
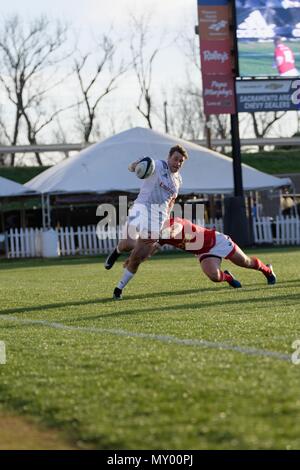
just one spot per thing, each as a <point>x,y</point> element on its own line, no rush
<point>103,166</point>
<point>11,188</point>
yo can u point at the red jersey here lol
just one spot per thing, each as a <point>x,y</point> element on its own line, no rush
<point>187,236</point>
<point>284,58</point>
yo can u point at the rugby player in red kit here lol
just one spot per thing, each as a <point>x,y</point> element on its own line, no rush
<point>210,247</point>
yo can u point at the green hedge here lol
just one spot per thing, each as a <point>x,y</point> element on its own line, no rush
<point>21,174</point>
<point>275,162</point>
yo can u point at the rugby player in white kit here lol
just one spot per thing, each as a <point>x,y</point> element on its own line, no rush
<point>147,216</point>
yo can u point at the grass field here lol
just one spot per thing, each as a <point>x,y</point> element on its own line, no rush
<point>118,375</point>
<point>257,58</point>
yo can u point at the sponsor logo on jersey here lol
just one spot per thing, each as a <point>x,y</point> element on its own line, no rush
<point>166,188</point>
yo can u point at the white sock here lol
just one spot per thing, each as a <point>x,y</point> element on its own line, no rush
<point>125,279</point>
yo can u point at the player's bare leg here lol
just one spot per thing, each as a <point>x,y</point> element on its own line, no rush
<point>129,239</point>
<point>143,248</point>
<point>211,266</point>
<point>241,259</point>
<point>125,245</point>
<point>141,251</point>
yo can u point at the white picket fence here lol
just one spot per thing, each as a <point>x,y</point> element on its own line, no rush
<point>26,243</point>
<point>262,230</point>
<point>287,231</point>
<point>23,243</point>
<point>86,240</point>
<point>278,231</point>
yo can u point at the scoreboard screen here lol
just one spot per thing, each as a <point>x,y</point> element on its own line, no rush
<point>268,36</point>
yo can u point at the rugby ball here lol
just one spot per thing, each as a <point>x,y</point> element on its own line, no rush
<point>145,168</point>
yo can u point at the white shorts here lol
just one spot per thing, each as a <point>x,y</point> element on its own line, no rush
<point>143,223</point>
<point>224,248</point>
<point>290,73</point>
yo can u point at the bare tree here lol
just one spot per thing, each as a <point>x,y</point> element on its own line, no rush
<point>263,123</point>
<point>95,85</point>
<point>29,59</point>
<point>188,43</point>
<point>220,126</point>
<point>60,136</point>
<point>143,59</point>
<point>183,112</point>
<point>3,140</point>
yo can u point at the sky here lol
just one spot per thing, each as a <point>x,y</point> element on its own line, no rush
<point>99,12</point>
<point>90,17</point>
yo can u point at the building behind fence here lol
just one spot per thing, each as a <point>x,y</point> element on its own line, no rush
<point>27,243</point>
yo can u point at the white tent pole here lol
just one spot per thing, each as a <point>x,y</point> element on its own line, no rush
<point>46,211</point>
<point>43,210</point>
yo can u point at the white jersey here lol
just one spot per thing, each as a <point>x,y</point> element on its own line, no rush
<point>154,202</point>
<point>161,188</point>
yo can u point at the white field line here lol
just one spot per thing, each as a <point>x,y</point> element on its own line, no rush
<point>162,338</point>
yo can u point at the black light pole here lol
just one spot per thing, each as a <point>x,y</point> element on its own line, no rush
<point>236,155</point>
<point>235,130</point>
<point>235,220</point>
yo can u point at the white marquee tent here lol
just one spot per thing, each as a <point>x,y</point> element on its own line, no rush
<point>102,167</point>
<point>10,188</point>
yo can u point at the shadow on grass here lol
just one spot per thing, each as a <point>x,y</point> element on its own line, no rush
<point>41,263</point>
<point>186,306</point>
<point>225,304</point>
<point>110,300</point>
<point>77,260</point>
<point>290,281</point>
<point>99,259</point>
<point>98,301</point>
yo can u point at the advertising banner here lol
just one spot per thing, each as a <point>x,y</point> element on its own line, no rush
<point>215,57</point>
<point>216,44</point>
<point>213,2</point>
<point>213,23</point>
<point>218,94</point>
<point>268,95</point>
